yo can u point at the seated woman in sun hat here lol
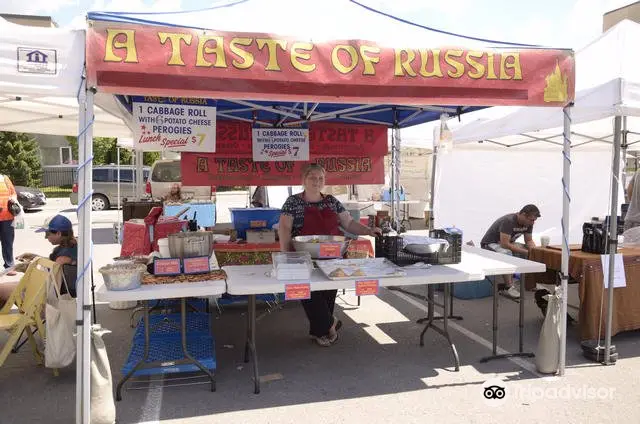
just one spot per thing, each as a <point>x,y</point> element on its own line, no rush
<point>59,232</point>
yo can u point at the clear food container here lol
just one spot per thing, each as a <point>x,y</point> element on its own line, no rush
<point>292,265</point>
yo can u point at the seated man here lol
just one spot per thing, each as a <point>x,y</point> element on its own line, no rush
<point>503,233</point>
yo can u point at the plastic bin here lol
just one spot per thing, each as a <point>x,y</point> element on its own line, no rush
<point>253,218</point>
<point>473,289</point>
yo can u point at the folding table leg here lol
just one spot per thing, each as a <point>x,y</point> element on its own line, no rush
<point>145,356</point>
<point>445,321</point>
<point>250,346</point>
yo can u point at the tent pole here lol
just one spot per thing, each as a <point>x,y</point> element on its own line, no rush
<point>392,182</point>
<point>624,155</point>
<point>83,318</point>
<point>397,188</point>
<point>612,244</point>
<point>564,267</point>
<point>119,205</point>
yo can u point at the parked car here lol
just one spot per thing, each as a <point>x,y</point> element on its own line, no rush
<point>105,186</point>
<point>165,173</point>
<point>30,198</point>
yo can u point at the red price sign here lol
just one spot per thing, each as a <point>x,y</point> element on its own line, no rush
<point>166,266</point>
<point>367,287</point>
<point>198,265</point>
<point>258,224</point>
<point>330,250</point>
<point>297,291</point>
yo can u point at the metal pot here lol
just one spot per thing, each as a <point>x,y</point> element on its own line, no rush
<point>191,244</point>
<point>122,276</point>
<point>311,244</point>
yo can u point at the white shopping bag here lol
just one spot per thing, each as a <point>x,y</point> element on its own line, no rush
<point>103,408</point>
<point>548,353</point>
<point>60,315</point>
<point>18,221</point>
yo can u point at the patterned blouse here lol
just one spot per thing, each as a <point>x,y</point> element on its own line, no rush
<point>295,206</point>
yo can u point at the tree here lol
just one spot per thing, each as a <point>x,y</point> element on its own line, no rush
<point>20,159</point>
<point>105,152</point>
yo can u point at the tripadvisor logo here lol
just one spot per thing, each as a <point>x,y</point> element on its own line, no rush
<point>494,392</point>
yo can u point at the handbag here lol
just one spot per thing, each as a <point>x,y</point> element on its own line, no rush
<point>60,315</point>
<point>14,207</point>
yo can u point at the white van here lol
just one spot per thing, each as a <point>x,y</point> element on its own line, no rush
<point>165,173</point>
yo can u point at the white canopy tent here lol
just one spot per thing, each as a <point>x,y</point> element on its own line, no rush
<point>40,74</point>
<point>42,91</point>
<point>607,86</point>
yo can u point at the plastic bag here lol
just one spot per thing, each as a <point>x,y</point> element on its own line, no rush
<point>18,221</point>
<point>103,408</point>
<point>547,356</point>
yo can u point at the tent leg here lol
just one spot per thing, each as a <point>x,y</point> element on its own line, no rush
<point>612,244</point>
<point>83,313</point>
<point>564,267</point>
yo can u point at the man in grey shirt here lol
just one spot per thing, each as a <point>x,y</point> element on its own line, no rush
<point>502,235</point>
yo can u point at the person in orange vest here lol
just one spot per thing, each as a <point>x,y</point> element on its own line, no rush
<point>7,231</point>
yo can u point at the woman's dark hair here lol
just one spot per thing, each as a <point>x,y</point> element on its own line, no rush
<point>68,239</point>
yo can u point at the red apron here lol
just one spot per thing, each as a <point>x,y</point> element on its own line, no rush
<point>320,220</point>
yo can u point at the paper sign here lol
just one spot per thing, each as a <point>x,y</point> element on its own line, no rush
<point>280,144</point>
<point>297,291</point>
<point>258,224</point>
<point>174,123</point>
<point>166,266</point>
<point>330,250</point>
<point>367,287</point>
<point>198,265</point>
<point>619,279</point>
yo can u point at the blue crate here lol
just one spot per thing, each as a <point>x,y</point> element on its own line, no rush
<point>168,349</point>
<point>473,289</point>
<point>228,299</point>
<point>253,218</point>
<point>198,324</point>
<point>198,303</point>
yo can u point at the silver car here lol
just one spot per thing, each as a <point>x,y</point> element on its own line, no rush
<point>105,186</point>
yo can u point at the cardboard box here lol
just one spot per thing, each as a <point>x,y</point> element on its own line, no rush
<point>261,236</point>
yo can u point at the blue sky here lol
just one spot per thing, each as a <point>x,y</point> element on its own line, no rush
<point>558,23</point>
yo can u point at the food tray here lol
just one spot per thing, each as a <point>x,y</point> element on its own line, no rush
<point>183,278</point>
<point>370,267</point>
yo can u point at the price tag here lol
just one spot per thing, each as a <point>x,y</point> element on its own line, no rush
<point>197,265</point>
<point>166,266</point>
<point>330,250</point>
<point>367,287</point>
<point>258,224</point>
<point>297,291</point>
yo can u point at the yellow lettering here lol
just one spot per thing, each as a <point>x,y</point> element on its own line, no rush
<point>335,59</point>
<point>515,65</point>
<point>491,72</point>
<point>449,57</point>
<point>424,59</point>
<point>272,64</point>
<point>402,66</point>
<point>218,50</point>
<point>369,69</point>
<point>304,55</point>
<point>247,57</point>
<point>176,45</point>
<point>129,45</point>
<point>478,67</point>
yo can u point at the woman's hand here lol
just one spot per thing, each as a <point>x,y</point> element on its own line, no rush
<point>374,232</point>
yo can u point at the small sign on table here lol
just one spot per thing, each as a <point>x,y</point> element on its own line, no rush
<point>299,291</point>
<point>197,265</point>
<point>330,250</point>
<point>367,287</point>
<point>166,266</point>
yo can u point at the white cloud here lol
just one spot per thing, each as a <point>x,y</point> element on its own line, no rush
<point>35,7</point>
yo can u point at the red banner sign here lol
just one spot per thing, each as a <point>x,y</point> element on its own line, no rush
<point>209,169</point>
<point>233,139</point>
<point>169,61</point>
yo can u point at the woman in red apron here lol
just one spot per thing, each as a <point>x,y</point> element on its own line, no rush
<point>313,213</point>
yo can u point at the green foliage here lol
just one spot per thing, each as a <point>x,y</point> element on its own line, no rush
<point>105,152</point>
<point>20,159</point>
